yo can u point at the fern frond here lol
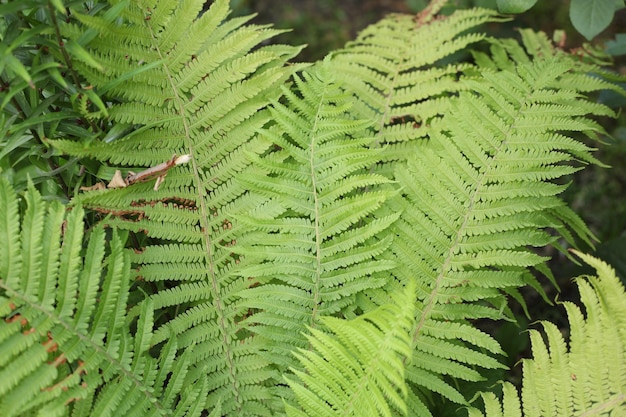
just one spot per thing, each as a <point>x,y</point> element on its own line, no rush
<point>584,378</point>
<point>188,82</point>
<point>358,368</point>
<point>286,215</point>
<point>315,247</point>
<point>64,341</point>
<point>392,70</point>
<point>479,196</point>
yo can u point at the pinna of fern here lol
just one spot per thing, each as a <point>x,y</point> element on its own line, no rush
<point>313,245</point>
<point>358,368</point>
<point>583,377</point>
<point>186,81</point>
<point>478,197</point>
<point>394,70</point>
<point>65,344</point>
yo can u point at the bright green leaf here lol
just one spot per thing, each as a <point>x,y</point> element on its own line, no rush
<point>590,17</point>
<point>81,53</point>
<point>58,4</point>
<point>97,101</point>
<point>18,68</point>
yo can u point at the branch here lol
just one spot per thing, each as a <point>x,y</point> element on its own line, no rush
<point>429,12</point>
<point>158,171</point>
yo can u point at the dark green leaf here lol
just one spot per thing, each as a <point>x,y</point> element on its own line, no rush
<point>590,17</point>
<point>618,46</point>
<point>515,6</point>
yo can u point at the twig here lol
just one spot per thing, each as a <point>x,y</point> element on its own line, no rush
<point>429,12</point>
<point>158,171</point>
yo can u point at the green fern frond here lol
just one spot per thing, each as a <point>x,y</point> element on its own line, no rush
<point>315,247</point>
<point>358,368</point>
<point>286,215</point>
<point>586,378</point>
<point>392,70</point>
<point>64,341</point>
<point>478,197</point>
<point>188,82</point>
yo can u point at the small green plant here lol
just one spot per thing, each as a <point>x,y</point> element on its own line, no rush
<point>241,235</point>
<point>44,97</point>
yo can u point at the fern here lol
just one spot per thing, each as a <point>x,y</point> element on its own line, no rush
<point>64,337</point>
<point>315,248</point>
<point>358,370</point>
<point>205,83</point>
<point>477,197</point>
<point>586,378</point>
<point>303,221</point>
<point>393,69</point>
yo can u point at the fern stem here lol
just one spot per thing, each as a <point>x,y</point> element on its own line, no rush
<point>222,319</point>
<point>430,303</point>
<point>429,11</point>
<point>318,243</point>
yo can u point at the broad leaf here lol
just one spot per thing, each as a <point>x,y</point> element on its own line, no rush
<point>590,17</point>
<point>515,6</point>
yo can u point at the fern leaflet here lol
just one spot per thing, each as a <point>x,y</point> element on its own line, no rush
<point>478,197</point>
<point>588,377</point>
<point>391,68</point>
<point>358,369</point>
<point>315,248</point>
<point>64,331</point>
<point>201,91</point>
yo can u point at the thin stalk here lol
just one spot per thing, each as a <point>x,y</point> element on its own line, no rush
<point>430,11</point>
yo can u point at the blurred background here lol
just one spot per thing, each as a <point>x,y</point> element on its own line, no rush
<point>325,25</point>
